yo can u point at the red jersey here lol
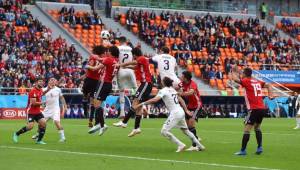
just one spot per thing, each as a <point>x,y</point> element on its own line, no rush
<point>37,94</point>
<point>253,96</point>
<point>142,70</point>
<point>109,70</point>
<point>194,101</point>
<point>93,60</point>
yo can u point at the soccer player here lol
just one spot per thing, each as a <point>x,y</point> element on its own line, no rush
<point>34,112</point>
<point>52,109</point>
<point>126,77</point>
<point>194,104</point>
<point>167,66</point>
<point>298,113</point>
<point>143,75</point>
<point>177,108</point>
<point>91,80</point>
<point>256,107</point>
<point>108,71</point>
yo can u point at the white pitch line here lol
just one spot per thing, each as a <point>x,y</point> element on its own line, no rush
<point>137,158</point>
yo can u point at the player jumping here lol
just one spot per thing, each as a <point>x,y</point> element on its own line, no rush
<point>177,108</point>
<point>143,75</point>
<point>109,70</point>
<point>126,77</point>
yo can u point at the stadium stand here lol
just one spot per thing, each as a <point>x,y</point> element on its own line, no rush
<point>205,44</point>
<point>289,27</point>
<point>28,50</point>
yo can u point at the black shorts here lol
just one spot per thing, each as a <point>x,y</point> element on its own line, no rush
<point>103,90</point>
<point>144,91</point>
<point>255,116</point>
<point>196,114</point>
<point>89,86</point>
<point>34,117</point>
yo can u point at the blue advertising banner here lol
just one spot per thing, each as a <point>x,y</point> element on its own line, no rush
<point>283,77</point>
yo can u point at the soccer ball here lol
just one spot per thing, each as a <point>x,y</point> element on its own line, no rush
<point>105,34</point>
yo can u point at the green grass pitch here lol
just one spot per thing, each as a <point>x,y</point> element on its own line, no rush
<point>149,150</point>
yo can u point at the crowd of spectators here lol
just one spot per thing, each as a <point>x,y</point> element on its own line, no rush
<point>71,17</point>
<point>27,50</point>
<point>290,27</point>
<point>250,43</point>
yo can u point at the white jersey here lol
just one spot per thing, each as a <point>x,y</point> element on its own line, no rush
<point>170,98</point>
<point>166,65</point>
<point>52,100</point>
<point>125,54</point>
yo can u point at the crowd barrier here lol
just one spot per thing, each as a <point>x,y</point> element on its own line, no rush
<point>14,106</point>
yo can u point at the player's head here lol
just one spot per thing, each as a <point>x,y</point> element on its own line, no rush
<point>136,52</point>
<point>247,72</point>
<point>52,81</point>
<point>122,40</point>
<point>165,50</point>
<point>39,82</point>
<point>114,51</point>
<point>186,76</point>
<point>99,50</point>
<point>105,34</point>
<point>167,82</point>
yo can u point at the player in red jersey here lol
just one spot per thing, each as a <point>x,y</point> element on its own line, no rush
<point>143,75</point>
<point>91,81</point>
<point>191,95</point>
<point>34,112</point>
<point>108,71</point>
<point>255,106</point>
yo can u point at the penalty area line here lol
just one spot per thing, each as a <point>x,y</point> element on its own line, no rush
<point>136,158</point>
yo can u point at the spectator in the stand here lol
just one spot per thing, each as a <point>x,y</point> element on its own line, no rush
<point>263,10</point>
<point>108,6</point>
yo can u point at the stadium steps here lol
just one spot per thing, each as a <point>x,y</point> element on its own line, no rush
<point>57,30</point>
<point>111,24</point>
<point>281,33</point>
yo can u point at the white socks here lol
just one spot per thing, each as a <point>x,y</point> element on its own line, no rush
<point>171,137</point>
<point>298,121</point>
<point>62,134</point>
<point>191,136</point>
<point>122,104</point>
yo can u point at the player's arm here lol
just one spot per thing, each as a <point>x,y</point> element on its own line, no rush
<point>270,89</point>
<point>188,93</point>
<point>128,64</point>
<point>183,105</point>
<point>235,77</point>
<point>33,102</point>
<point>297,101</point>
<point>64,103</point>
<point>150,101</point>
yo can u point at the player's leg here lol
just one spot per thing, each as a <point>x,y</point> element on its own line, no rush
<point>57,122</point>
<point>92,112</point>
<point>249,122</point>
<point>183,126</point>
<point>85,99</point>
<point>24,129</point>
<point>258,135</point>
<point>42,129</point>
<point>47,117</point>
<point>192,128</point>
<point>98,117</point>
<point>170,123</point>
<point>297,120</point>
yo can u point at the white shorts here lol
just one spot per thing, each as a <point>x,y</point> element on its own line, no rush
<point>126,79</point>
<point>175,121</point>
<point>55,116</point>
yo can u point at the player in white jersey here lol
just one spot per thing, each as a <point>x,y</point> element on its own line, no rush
<point>52,109</point>
<point>126,77</point>
<point>176,119</point>
<point>167,66</point>
<point>298,113</point>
